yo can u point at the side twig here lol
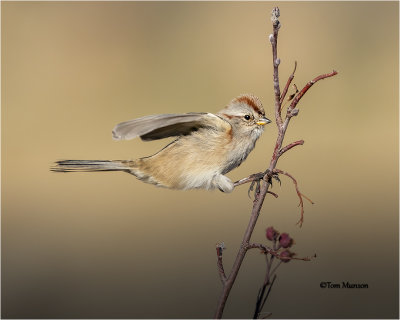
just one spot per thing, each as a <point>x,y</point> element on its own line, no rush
<point>290,146</point>
<point>220,247</point>
<point>275,253</point>
<point>260,304</point>
<point>306,87</point>
<point>299,194</point>
<point>285,90</point>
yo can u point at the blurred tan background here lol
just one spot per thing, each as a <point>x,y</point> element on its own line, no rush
<point>105,245</point>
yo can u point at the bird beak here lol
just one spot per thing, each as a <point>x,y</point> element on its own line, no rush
<point>263,121</point>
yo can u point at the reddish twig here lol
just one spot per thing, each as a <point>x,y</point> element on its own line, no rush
<point>263,248</point>
<point>305,89</point>
<point>290,146</point>
<point>285,90</point>
<point>273,193</point>
<point>299,194</point>
<point>275,253</point>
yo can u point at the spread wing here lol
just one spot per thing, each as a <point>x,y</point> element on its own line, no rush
<point>167,125</point>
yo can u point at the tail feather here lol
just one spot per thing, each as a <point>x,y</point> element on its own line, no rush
<point>89,166</point>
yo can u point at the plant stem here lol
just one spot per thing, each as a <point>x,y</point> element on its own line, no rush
<point>278,151</point>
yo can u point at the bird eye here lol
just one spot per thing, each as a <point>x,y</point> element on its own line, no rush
<point>247,117</point>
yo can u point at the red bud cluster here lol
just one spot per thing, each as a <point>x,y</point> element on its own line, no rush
<point>272,234</point>
<point>280,240</point>
<point>286,256</point>
<point>285,240</point>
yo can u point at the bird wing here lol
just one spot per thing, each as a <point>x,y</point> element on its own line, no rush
<point>167,125</point>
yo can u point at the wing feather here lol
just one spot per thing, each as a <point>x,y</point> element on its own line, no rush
<point>166,125</point>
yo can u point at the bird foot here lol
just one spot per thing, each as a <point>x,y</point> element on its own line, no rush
<point>266,176</point>
<point>269,175</point>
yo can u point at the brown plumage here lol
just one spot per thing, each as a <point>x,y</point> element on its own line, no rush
<point>207,146</point>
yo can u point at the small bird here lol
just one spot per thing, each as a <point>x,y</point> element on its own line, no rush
<point>206,148</point>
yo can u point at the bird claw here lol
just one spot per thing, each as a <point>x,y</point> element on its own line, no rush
<point>276,177</point>
<point>268,175</point>
<point>257,190</point>
<point>257,177</point>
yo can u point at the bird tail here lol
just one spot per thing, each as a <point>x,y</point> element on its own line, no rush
<point>90,165</point>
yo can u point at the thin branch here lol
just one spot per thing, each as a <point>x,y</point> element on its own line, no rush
<point>274,253</point>
<point>269,265</point>
<point>273,38</point>
<point>276,267</point>
<point>265,315</point>
<point>260,295</point>
<point>260,301</point>
<point>273,193</point>
<point>305,89</point>
<point>299,194</point>
<point>285,90</point>
<point>260,246</point>
<point>257,204</point>
<point>290,146</point>
<point>266,296</point>
<point>220,247</point>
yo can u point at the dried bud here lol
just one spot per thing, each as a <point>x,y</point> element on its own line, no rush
<point>272,234</point>
<point>285,240</point>
<point>286,256</point>
<point>274,16</point>
<point>295,112</point>
<point>271,38</point>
